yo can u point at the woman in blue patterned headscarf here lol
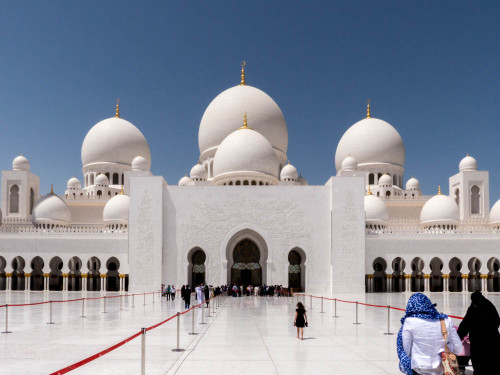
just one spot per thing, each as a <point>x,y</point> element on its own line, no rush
<point>419,306</point>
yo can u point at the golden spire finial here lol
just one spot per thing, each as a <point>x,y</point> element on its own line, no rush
<point>439,190</point>
<point>117,113</point>
<point>368,109</point>
<point>369,191</point>
<point>243,83</point>
<point>121,192</point>
<point>245,123</point>
<point>51,189</point>
<point>467,154</point>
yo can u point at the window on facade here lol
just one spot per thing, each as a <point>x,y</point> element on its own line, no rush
<point>99,193</point>
<point>91,179</point>
<point>116,179</point>
<point>14,199</point>
<point>371,179</point>
<point>32,200</point>
<point>123,179</point>
<point>387,193</point>
<point>474,200</point>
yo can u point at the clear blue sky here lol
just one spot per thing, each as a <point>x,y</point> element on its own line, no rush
<point>431,69</point>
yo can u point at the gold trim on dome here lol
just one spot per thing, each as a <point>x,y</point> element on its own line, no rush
<point>243,82</point>
<point>245,123</point>
<point>439,190</point>
<point>51,189</point>
<point>368,109</point>
<point>117,111</point>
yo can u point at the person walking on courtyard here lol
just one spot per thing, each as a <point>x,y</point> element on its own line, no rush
<point>300,320</point>
<point>172,292</point>
<point>199,293</point>
<point>183,288</point>
<point>420,339</point>
<point>186,294</point>
<point>168,293</point>
<point>207,294</point>
<point>481,323</point>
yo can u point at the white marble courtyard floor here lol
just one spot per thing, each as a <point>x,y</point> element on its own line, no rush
<point>247,335</point>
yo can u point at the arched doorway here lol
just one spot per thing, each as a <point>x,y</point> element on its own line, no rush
<point>112,276</point>
<point>436,281</point>
<point>246,269</point>
<point>455,282</point>
<point>417,275</point>
<point>398,276</point>
<point>75,278</point>
<point>56,278</point>
<point>493,275</point>
<point>18,279</point>
<point>3,280</point>
<point>379,275</point>
<point>36,278</point>
<point>296,270</point>
<point>94,279</point>
<point>197,268</point>
<point>474,275</point>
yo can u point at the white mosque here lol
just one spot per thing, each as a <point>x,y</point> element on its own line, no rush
<point>244,215</point>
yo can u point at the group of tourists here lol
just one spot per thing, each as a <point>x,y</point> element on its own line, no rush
<point>259,290</point>
<point>168,291</point>
<point>429,344</point>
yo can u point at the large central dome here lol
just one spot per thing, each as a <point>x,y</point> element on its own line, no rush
<point>371,141</point>
<point>224,114</point>
<point>115,141</point>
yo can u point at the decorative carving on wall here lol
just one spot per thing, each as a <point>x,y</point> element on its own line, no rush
<point>145,240</point>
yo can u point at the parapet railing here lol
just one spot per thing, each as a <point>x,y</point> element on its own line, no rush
<point>72,229</point>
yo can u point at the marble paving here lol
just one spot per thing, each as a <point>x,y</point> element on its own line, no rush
<point>246,335</point>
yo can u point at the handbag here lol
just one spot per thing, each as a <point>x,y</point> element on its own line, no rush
<point>449,360</point>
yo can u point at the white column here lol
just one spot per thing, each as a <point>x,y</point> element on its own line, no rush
<point>122,282</point>
<point>446,283</point>
<point>103,282</point>
<point>8,280</point>
<point>465,284</point>
<point>408,283</point>
<point>484,283</point>
<point>427,283</point>
<point>27,277</point>
<point>84,282</point>
<point>389,283</point>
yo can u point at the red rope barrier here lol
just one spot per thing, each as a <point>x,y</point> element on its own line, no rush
<point>95,356</point>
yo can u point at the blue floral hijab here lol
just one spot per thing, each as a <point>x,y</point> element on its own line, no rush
<point>419,306</point>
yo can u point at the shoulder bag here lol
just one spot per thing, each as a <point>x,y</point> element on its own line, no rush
<point>449,360</point>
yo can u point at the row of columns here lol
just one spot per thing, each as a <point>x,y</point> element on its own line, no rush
<point>426,277</point>
<point>46,278</point>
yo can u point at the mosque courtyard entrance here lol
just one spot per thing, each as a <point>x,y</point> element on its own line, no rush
<point>246,269</point>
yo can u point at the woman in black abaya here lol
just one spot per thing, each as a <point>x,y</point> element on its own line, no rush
<point>481,323</point>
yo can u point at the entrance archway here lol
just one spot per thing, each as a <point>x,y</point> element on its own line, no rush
<point>197,268</point>
<point>246,269</point>
<point>296,270</point>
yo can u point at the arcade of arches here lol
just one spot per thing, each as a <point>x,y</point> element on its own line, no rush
<point>31,276</point>
<point>469,277</point>
<point>246,269</point>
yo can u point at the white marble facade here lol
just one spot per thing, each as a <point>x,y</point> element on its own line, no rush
<point>245,214</point>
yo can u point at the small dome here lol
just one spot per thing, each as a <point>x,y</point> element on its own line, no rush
<point>20,163</point>
<point>289,173</point>
<point>116,210</point>
<point>52,210</point>
<point>376,212</point>
<point>246,150</point>
<point>184,181</point>
<point>225,111</point>
<point>114,141</point>
<point>302,181</point>
<point>440,210</point>
<point>468,164</point>
<point>102,180</point>
<point>412,184</point>
<point>349,164</point>
<point>495,215</point>
<point>74,184</point>
<point>198,173</point>
<point>140,164</point>
<point>373,141</point>
<point>385,180</point>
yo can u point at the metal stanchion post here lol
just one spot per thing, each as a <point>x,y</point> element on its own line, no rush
<point>311,301</point>
<point>144,294</point>
<point>83,308</point>
<point>202,307</point>
<point>121,303</point>
<point>153,298</point>
<point>178,349</point>
<point>50,314</point>
<point>104,307</point>
<point>192,322</point>
<point>356,314</point>
<point>335,308</point>
<point>133,300</point>
<point>322,312</point>
<point>388,321</point>
<point>143,351</point>
<point>208,309</point>
<point>6,319</point>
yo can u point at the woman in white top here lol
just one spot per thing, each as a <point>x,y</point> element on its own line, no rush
<point>420,340</point>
